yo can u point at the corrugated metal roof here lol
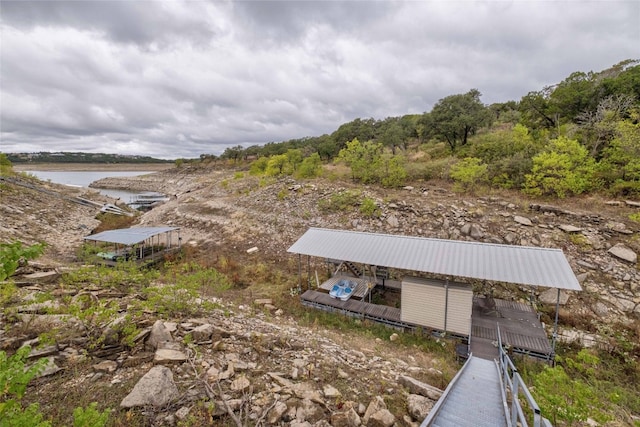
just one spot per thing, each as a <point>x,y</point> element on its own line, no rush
<point>129,236</point>
<point>502,263</point>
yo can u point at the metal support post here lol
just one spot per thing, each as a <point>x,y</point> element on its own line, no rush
<point>555,324</point>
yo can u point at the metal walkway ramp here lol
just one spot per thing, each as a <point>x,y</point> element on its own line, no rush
<point>473,398</point>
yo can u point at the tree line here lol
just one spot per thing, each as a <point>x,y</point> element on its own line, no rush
<point>77,157</point>
<point>580,135</point>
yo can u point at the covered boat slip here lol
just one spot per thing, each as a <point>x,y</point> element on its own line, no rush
<point>142,244</point>
<point>444,305</point>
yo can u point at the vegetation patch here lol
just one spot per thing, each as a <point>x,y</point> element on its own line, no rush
<point>342,201</point>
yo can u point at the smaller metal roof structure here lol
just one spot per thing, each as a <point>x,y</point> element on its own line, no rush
<point>129,236</point>
<point>524,265</point>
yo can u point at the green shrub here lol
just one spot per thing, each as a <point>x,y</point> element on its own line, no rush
<point>14,377</point>
<point>8,294</point>
<point>569,398</point>
<point>437,169</point>
<point>342,201</point>
<point>311,167</point>
<point>282,194</point>
<point>393,172</point>
<point>6,168</point>
<point>469,173</point>
<point>259,166</point>
<point>278,165</point>
<point>90,416</point>
<point>183,297</point>
<point>563,169</point>
<point>238,175</point>
<point>124,275</point>
<point>369,208</point>
<point>12,254</point>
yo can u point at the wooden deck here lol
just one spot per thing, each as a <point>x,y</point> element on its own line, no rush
<point>520,328</point>
<point>394,285</point>
<point>359,293</point>
<point>353,308</point>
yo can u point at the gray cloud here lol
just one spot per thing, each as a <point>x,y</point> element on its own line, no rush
<point>182,78</point>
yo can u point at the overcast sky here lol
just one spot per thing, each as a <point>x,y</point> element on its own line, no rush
<point>176,79</point>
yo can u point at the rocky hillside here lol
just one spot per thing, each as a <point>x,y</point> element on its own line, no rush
<point>597,236</point>
<point>34,211</point>
<point>252,363</point>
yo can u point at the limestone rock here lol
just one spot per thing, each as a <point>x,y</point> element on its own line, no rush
<point>42,276</point>
<point>419,406</point>
<point>348,418</point>
<point>275,414</point>
<point>550,296</point>
<point>50,368</point>
<point>569,228</point>
<point>183,412</point>
<point>202,332</point>
<point>382,418</point>
<point>624,253</point>
<point>417,387</point>
<point>213,374</point>
<point>522,220</point>
<point>168,356</point>
<point>39,308</point>
<point>409,422</point>
<point>108,366</point>
<point>228,373</point>
<point>393,221</point>
<point>330,392</point>
<point>38,351</point>
<point>155,388</point>
<point>240,383</point>
<point>471,230</point>
<point>309,411</point>
<point>51,321</point>
<point>510,237</point>
<point>376,404</point>
<point>137,359</point>
<point>159,334</point>
<point>619,227</point>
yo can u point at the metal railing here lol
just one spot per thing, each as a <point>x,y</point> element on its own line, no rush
<point>436,408</point>
<point>512,381</point>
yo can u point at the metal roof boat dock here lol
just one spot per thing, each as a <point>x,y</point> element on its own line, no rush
<point>443,305</point>
<point>143,244</point>
<point>147,200</point>
<point>525,265</point>
<point>477,395</point>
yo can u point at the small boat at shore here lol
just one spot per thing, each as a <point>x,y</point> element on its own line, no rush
<point>343,290</point>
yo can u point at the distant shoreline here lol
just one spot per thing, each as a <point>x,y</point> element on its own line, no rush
<point>81,167</point>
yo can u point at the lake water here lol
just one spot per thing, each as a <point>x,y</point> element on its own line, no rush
<point>84,178</point>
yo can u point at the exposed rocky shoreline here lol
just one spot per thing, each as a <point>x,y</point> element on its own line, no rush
<point>270,369</point>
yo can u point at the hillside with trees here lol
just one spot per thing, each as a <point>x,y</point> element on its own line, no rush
<point>579,136</point>
<point>76,157</point>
